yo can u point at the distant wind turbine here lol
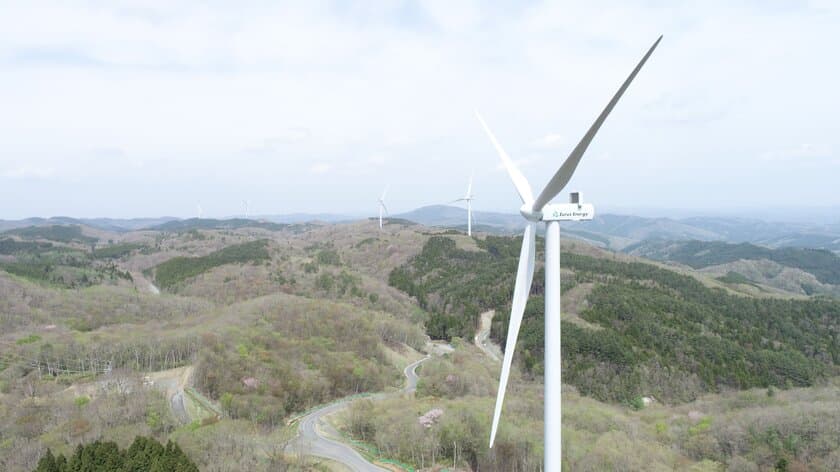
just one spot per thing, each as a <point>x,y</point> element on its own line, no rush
<point>468,198</point>
<point>247,205</point>
<point>198,207</point>
<point>382,206</point>
<point>534,210</point>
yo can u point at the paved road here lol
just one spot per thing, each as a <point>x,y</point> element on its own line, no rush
<point>311,441</point>
<point>142,283</point>
<point>411,377</point>
<point>482,337</point>
<point>178,407</point>
<point>172,383</point>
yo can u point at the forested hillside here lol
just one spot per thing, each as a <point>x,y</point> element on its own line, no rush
<point>179,269</point>
<point>664,333</point>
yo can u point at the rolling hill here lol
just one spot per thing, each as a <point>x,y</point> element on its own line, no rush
<point>797,270</point>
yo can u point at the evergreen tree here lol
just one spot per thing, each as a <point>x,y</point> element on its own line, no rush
<point>47,463</point>
<point>144,455</point>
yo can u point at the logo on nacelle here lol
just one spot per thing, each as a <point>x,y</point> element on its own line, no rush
<point>568,212</point>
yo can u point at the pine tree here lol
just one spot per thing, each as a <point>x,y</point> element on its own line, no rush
<point>47,463</point>
<point>61,463</point>
<point>144,455</point>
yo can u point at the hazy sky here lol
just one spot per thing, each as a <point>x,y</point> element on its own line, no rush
<point>148,108</point>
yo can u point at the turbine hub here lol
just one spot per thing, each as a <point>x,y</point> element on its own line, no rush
<point>527,211</point>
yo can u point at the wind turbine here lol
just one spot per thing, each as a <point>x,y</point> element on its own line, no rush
<point>468,198</point>
<point>247,205</point>
<point>382,206</point>
<point>535,210</point>
<point>198,208</point>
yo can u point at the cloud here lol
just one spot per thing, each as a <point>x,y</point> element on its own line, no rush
<point>802,152</point>
<point>29,173</point>
<point>550,141</point>
<point>287,91</point>
<point>321,168</point>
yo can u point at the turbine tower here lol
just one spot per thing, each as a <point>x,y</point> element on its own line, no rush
<point>468,198</point>
<point>247,205</point>
<point>198,208</point>
<point>535,210</point>
<point>382,206</point>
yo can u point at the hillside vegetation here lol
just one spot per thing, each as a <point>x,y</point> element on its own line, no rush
<point>664,334</point>
<point>448,422</point>
<point>210,224</point>
<point>144,455</point>
<point>257,325</point>
<point>178,269</point>
<point>58,265</point>
<point>59,233</point>
<point>823,264</point>
<point>76,364</point>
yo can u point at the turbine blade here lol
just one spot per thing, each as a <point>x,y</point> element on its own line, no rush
<point>524,276</point>
<point>384,192</point>
<point>519,180</point>
<point>469,188</point>
<point>458,200</point>
<point>384,207</point>
<point>561,178</point>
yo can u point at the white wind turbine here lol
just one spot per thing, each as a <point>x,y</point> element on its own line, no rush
<point>534,210</point>
<point>468,198</point>
<point>247,204</point>
<point>382,206</point>
<point>198,208</point>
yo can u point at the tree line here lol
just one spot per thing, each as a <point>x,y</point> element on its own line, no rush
<point>144,455</point>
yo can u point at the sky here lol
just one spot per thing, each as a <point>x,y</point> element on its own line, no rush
<point>149,108</point>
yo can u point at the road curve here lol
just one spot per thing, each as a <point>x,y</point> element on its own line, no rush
<point>411,377</point>
<point>311,442</point>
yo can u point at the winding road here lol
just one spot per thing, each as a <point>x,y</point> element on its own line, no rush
<point>311,440</point>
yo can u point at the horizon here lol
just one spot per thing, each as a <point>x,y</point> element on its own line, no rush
<point>806,215</point>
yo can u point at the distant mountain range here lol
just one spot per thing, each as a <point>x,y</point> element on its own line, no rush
<point>107,224</point>
<point>620,231</point>
<point>611,231</point>
<point>171,223</point>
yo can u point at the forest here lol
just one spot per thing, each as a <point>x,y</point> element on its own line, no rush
<point>663,333</point>
<point>179,269</point>
<point>56,265</point>
<point>59,233</point>
<point>144,455</point>
<point>455,285</point>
